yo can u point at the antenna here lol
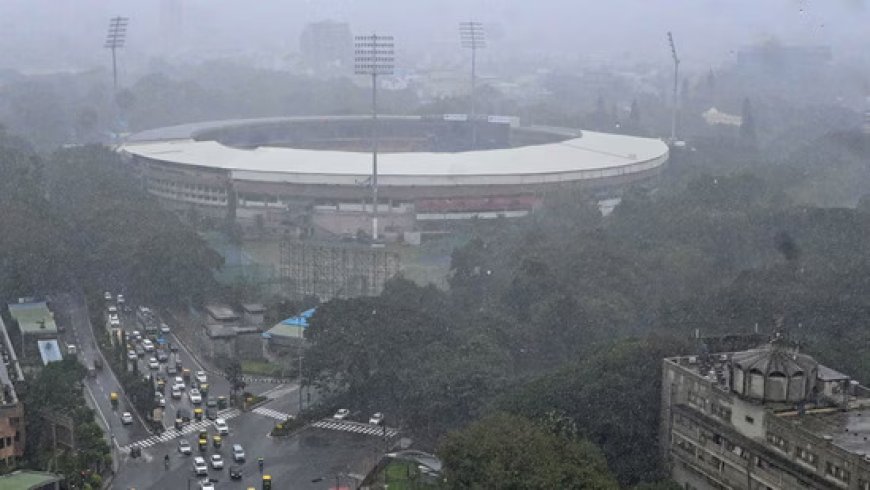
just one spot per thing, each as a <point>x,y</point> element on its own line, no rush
<point>114,40</point>
<point>473,37</point>
<point>676,78</point>
<point>373,56</point>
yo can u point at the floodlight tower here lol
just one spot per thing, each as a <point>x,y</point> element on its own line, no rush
<point>373,55</point>
<point>473,37</point>
<point>676,78</point>
<point>114,40</point>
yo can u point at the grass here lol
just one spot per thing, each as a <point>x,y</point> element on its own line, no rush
<point>403,475</point>
<point>261,368</point>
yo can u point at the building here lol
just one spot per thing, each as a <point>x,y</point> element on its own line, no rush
<point>35,322</point>
<point>764,418</point>
<point>307,176</point>
<point>30,480</point>
<point>252,314</point>
<point>289,332</point>
<point>12,434</point>
<point>327,44</point>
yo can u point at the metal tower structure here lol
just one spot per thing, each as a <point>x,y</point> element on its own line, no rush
<point>676,80</point>
<point>115,40</point>
<point>473,37</point>
<point>373,56</point>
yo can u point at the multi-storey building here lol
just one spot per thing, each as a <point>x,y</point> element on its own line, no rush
<point>11,408</point>
<point>766,418</point>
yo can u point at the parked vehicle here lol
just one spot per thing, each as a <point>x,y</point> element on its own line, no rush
<point>341,414</point>
<point>377,419</point>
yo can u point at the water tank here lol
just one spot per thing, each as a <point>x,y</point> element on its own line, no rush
<point>773,373</point>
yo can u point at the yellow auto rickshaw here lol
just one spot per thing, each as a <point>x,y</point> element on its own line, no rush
<point>217,441</point>
<point>197,414</point>
<point>203,389</point>
<point>113,398</point>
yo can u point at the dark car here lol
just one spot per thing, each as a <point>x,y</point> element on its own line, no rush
<point>162,356</point>
<point>211,410</point>
<point>170,370</point>
<point>235,472</point>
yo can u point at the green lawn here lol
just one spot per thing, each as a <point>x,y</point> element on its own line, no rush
<point>261,368</point>
<point>403,475</point>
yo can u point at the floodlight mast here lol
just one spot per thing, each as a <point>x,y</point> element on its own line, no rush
<point>373,55</point>
<point>114,40</point>
<point>473,37</point>
<point>676,77</point>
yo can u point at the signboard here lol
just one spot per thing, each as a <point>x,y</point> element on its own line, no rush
<point>456,117</point>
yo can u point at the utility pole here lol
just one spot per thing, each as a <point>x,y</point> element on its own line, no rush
<point>300,376</point>
<point>114,40</point>
<point>473,37</point>
<point>676,78</point>
<point>373,55</point>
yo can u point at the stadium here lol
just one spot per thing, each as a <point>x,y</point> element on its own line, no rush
<point>312,175</point>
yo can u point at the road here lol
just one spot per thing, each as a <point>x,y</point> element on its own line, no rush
<point>79,332</point>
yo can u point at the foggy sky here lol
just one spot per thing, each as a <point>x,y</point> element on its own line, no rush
<point>52,35</point>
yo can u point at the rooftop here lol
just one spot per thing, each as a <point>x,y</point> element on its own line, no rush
<point>26,480</point>
<point>221,312</point>
<point>49,351</point>
<point>253,308</point>
<point>33,318</point>
<point>9,369</point>
<point>849,430</point>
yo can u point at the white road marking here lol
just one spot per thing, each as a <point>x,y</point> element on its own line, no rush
<point>357,427</point>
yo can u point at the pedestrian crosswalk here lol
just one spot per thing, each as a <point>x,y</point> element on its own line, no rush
<point>174,433</point>
<point>279,391</point>
<point>268,412</point>
<point>358,427</point>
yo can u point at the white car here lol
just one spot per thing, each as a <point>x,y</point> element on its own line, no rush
<point>148,345</point>
<point>195,396</point>
<point>341,414</point>
<point>113,309</point>
<point>126,418</point>
<point>201,378</point>
<point>164,328</point>
<point>217,462</point>
<point>199,466</point>
<point>206,485</point>
<point>221,426</point>
<point>113,317</point>
<point>120,299</point>
<point>377,419</point>
<point>131,355</point>
<point>179,381</point>
<point>107,296</point>
<point>184,447</point>
<point>153,364</point>
<point>176,393</point>
<point>238,453</point>
<point>114,322</point>
<point>136,335</point>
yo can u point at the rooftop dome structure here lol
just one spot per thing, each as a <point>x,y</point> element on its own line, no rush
<point>773,373</point>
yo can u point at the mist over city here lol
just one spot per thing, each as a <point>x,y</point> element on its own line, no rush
<point>434,244</point>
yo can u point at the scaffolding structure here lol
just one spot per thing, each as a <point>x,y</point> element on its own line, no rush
<point>330,270</point>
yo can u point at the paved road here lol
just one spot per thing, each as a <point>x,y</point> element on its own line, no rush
<point>79,332</point>
<point>311,459</point>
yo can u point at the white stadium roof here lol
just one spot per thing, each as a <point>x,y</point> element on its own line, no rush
<point>589,156</point>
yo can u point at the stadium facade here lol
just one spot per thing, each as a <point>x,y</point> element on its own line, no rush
<point>307,175</point>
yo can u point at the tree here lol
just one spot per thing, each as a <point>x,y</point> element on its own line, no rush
<point>232,370</point>
<point>505,451</point>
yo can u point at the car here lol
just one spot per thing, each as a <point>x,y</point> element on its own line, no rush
<point>113,317</point>
<point>184,447</point>
<point>153,364</point>
<point>199,466</point>
<point>170,370</point>
<point>136,335</point>
<point>114,322</point>
<point>131,355</point>
<point>235,472</point>
<point>113,309</point>
<point>201,377</point>
<point>179,381</point>
<point>162,356</point>
<point>148,345</point>
<point>377,419</point>
<point>217,462</point>
<point>195,396</point>
<point>161,400</point>
<point>206,485</point>
<point>120,299</point>
<point>164,328</point>
<point>211,411</point>
<point>341,414</point>
<point>107,296</point>
<point>176,393</point>
<point>221,426</point>
<point>126,418</point>
<point>238,453</point>
<point>140,352</point>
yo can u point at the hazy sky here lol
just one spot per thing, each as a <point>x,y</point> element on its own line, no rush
<point>58,34</point>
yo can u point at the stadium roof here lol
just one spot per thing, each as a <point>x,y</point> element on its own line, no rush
<point>589,156</point>
<point>33,318</point>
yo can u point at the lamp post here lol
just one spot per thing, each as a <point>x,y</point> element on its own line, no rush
<point>473,37</point>
<point>373,56</point>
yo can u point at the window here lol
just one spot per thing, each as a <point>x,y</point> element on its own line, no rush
<point>805,456</point>
<point>697,400</point>
<point>837,472</point>
<point>2,443</point>
<point>750,419</point>
<point>17,436</point>
<point>778,442</point>
<point>721,412</point>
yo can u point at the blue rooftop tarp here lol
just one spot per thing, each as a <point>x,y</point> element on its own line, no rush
<point>300,320</point>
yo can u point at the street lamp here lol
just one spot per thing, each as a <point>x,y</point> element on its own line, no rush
<point>373,56</point>
<point>473,37</point>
